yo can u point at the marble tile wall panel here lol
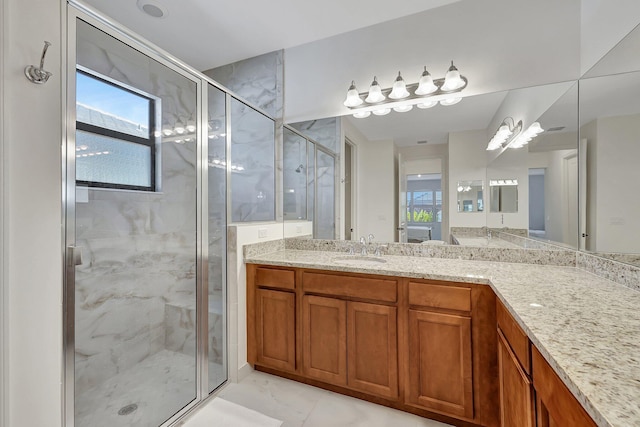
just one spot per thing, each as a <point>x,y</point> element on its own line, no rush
<point>624,274</point>
<point>326,132</point>
<point>138,254</point>
<point>180,332</point>
<point>258,80</point>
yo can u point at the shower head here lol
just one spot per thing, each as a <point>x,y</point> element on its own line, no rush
<point>299,168</point>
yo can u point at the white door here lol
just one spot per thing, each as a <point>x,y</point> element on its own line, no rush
<point>582,171</point>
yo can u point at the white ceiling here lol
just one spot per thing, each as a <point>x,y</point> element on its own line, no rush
<point>209,33</point>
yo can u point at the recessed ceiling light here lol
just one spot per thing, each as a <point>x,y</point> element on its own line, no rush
<point>152,8</point>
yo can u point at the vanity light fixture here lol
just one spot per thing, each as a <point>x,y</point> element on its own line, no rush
<point>532,131</point>
<point>497,182</point>
<point>427,93</point>
<point>507,131</point>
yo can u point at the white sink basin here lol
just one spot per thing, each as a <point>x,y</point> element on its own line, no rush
<point>359,260</point>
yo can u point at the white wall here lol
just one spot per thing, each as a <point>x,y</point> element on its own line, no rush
<point>616,155</point>
<point>603,24</point>
<point>467,162</point>
<point>32,255</point>
<point>239,235</point>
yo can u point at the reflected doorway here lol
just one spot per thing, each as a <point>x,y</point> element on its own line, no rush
<point>424,207</point>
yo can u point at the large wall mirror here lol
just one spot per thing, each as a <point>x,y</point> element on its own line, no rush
<point>572,184</point>
<point>610,144</point>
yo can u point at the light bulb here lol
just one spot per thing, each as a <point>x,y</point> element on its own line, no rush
<point>460,188</point>
<point>166,130</point>
<point>425,85</point>
<point>403,108</point>
<point>362,114</point>
<point>157,133</point>
<point>452,79</point>
<point>536,128</point>
<point>382,111</point>
<point>399,90</point>
<point>353,97</point>
<point>428,104</point>
<point>191,126</point>
<point>240,168</point>
<point>375,93</point>
<point>450,101</point>
<point>179,128</point>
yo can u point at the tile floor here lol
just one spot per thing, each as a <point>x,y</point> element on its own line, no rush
<point>160,385</point>
<point>300,405</point>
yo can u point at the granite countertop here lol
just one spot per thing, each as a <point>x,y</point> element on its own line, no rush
<point>587,327</point>
<point>493,242</point>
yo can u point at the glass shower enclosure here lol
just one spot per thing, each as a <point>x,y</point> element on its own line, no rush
<point>147,165</point>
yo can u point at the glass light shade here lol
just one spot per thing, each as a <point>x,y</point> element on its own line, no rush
<point>179,128</point>
<point>166,130</point>
<point>382,111</point>
<point>375,93</point>
<point>353,97</point>
<point>450,101</point>
<point>399,90</point>
<point>452,79</point>
<point>425,85</point>
<point>536,128</point>
<point>428,104</point>
<point>157,133</point>
<point>403,108</point>
<point>191,126</point>
<point>362,114</point>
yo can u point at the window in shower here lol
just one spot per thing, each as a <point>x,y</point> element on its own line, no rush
<point>115,142</point>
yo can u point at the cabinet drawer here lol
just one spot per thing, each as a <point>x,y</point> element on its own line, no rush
<point>440,296</point>
<point>350,286</point>
<point>275,278</point>
<point>515,336</point>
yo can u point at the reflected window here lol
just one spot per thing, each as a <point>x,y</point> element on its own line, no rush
<point>115,144</point>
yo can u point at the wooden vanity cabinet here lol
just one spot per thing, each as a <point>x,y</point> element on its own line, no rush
<point>556,406</point>
<point>346,342</point>
<point>422,346</point>
<point>271,327</point>
<point>440,349</point>
<point>517,403</point>
<point>531,393</point>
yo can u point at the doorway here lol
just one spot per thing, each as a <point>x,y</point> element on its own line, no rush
<point>424,207</point>
<point>537,227</point>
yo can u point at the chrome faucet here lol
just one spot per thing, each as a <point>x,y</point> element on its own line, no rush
<point>363,249</point>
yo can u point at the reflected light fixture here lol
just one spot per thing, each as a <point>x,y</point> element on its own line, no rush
<point>506,132</point>
<point>532,131</point>
<point>427,93</point>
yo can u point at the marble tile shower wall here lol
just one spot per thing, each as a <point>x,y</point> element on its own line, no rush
<point>139,259</point>
<point>258,80</point>
<point>326,132</point>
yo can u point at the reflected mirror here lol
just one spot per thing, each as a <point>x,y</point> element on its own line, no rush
<point>470,196</point>
<point>504,195</point>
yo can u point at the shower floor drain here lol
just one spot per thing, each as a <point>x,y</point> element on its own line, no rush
<point>126,410</point>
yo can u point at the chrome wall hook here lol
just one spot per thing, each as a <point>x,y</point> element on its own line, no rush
<point>38,75</point>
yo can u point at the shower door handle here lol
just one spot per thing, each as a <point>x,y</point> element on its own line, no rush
<point>75,255</point>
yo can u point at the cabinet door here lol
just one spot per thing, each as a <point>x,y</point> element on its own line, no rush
<point>440,363</point>
<point>275,329</point>
<point>324,337</point>
<point>372,348</point>
<point>556,405</point>
<point>516,390</point>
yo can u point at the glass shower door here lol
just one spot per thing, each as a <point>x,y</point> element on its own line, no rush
<point>135,235</point>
